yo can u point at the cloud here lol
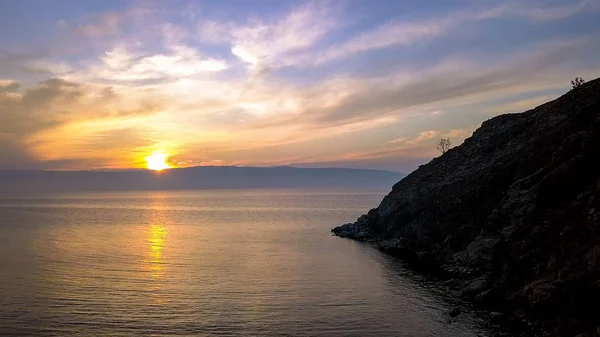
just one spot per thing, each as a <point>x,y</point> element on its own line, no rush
<point>23,113</point>
<point>122,65</point>
<point>457,135</point>
<point>265,44</point>
<point>424,135</point>
<point>451,82</point>
<point>521,105</point>
<point>540,12</point>
<point>215,32</point>
<point>400,140</point>
<point>40,63</point>
<point>429,134</point>
<point>290,41</point>
<point>392,33</point>
<point>111,146</point>
<point>406,153</point>
<point>406,32</point>
<point>8,86</point>
<point>460,134</point>
<point>251,113</point>
<point>414,154</point>
<point>103,24</point>
<point>162,77</point>
<point>14,154</point>
<point>26,115</point>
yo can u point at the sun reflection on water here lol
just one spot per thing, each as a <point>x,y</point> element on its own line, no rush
<point>156,240</point>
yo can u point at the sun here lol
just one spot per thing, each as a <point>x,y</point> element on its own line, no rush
<point>157,161</point>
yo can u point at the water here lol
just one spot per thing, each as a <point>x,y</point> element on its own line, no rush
<point>205,263</point>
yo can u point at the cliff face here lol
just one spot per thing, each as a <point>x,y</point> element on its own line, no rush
<point>512,215</point>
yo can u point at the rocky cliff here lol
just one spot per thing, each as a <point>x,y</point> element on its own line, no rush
<point>511,216</point>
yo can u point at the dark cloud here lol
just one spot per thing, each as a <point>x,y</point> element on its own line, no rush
<point>24,63</point>
<point>23,114</point>
<point>13,154</point>
<point>108,94</point>
<point>50,91</point>
<point>9,87</point>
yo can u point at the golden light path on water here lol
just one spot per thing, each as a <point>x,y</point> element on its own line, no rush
<point>156,239</point>
<point>157,235</point>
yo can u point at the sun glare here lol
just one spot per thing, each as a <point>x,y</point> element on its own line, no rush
<point>157,161</point>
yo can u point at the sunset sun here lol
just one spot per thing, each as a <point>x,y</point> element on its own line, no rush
<point>157,161</point>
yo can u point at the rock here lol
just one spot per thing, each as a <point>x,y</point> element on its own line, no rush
<point>496,316</point>
<point>455,312</point>
<point>516,206</point>
<point>452,283</point>
<point>358,230</point>
<point>475,288</point>
<point>480,251</point>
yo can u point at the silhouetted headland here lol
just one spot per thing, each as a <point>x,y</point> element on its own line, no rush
<point>511,218</point>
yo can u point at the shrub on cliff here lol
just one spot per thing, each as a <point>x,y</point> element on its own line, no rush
<point>577,82</point>
<point>443,145</point>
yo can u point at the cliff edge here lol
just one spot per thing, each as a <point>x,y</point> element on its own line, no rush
<point>511,216</point>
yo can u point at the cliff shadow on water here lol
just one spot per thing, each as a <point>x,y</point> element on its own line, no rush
<point>510,218</point>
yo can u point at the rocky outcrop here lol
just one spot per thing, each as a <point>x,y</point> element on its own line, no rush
<point>512,214</point>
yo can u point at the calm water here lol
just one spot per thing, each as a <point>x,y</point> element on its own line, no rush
<point>206,263</point>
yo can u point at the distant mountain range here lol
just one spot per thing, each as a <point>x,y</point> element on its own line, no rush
<point>201,177</point>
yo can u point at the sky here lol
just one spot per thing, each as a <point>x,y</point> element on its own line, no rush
<point>367,84</point>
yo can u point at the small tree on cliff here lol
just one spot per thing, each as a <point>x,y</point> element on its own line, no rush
<point>443,145</point>
<point>577,82</point>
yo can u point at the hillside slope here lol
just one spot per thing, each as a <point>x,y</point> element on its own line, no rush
<point>512,216</point>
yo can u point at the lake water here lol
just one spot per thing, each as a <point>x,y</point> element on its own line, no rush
<point>204,263</point>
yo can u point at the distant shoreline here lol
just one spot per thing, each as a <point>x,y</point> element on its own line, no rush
<point>195,178</point>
